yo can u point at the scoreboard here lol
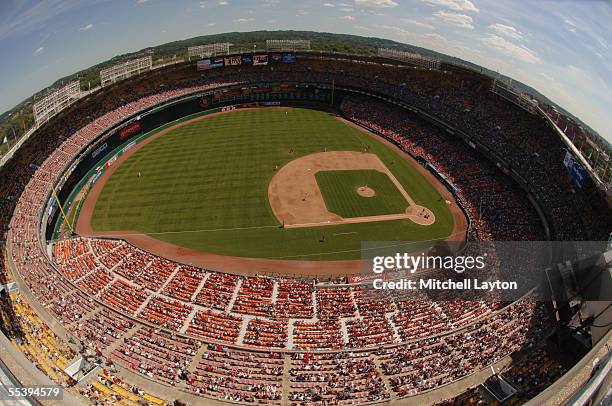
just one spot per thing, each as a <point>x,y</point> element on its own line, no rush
<point>246,59</point>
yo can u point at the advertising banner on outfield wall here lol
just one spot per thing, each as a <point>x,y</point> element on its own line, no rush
<point>216,62</point>
<point>128,147</point>
<point>260,60</point>
<point>235,60</point>
<point>147,122</point>
<point>289,57</point>
<point>129,130</point>
<point>487,270</point>
<point>204,65</point>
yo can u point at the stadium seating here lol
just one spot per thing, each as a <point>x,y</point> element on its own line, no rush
<point>227,336</point>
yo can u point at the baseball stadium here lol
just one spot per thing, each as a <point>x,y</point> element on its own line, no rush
<point>193,232</point>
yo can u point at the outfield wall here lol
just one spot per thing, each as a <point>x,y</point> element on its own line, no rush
<point>110,143</point>
<point>90,164</point>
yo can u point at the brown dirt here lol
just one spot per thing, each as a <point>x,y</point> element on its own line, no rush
<point>365,191</point>
<point>241,265</point>
<point>420,215</point>
<point>295,197</point>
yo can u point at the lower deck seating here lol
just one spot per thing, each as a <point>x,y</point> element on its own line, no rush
<point>40,345</point>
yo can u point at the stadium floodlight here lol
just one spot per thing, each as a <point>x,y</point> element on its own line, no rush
<point>208,50</point>
<point>56,101</point>
<point>410,57</point>
<point>124,70</point>
<point>287,45</point>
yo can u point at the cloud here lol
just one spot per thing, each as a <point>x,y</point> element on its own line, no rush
<point>460,20</point>
<point>39,51</point>
<point>571,26</point>
<point>141,1</point>
<point>87,27</point>
<point>508,48</point>
<point>434,36</point>
<point>207,4</point>
<point>507,31</point>
<point>603,42</point>
<point>243,20</point>
<point>458,5</point>
<point>269,3</point>
<point>418,23</point>
<point>329,5</point>
<point>348,18</point>
<point>376,3</point>
<point>212,24</point>
<point>413,36</point>
<point>20,17</point>
<point>399,30</point>
<point>547,77</point>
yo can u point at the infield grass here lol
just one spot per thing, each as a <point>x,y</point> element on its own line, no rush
<point>205,186</point>
<point>339,190</point>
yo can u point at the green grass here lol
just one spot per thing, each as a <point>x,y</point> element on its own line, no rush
<point>339,190</point>
<point>204,186</point>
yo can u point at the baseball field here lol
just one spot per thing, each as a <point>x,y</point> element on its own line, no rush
<point>207,185</point>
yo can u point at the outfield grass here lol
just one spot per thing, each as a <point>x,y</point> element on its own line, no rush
<point>339,191</point>
<point>204,186</point>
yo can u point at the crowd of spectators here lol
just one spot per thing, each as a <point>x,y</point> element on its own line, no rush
<point>484,334</point>
<point>30,335</point>
<point>108,388</point>
<point>498,209</point>
<point>531,375</point>
<point>350,378</point>
<point>238,375</point>
<point>265,309</point>
<point>451,340</point>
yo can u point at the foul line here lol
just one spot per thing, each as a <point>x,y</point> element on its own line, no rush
<point>190,231</point>
<point>287,256</point>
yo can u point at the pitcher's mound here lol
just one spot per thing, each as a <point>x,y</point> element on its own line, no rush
<point>366,191</point>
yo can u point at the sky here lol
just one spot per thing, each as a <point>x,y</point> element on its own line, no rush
<point>561,48</point>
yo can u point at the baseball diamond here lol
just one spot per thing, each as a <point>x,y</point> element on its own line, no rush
<point>189,186</point>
